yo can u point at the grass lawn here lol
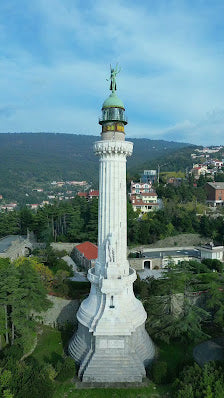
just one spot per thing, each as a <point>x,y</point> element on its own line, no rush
<point>50,348</point>
<point>176,355</point>
<point>69,390</point>
<point>49,345</point>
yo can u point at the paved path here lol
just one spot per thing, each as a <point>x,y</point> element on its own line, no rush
<point>211,350</point>
<point>78,276</point>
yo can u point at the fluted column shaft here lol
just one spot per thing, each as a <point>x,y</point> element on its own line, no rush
<point>112,217</point>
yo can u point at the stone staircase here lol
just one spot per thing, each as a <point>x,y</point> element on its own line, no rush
<point>78,348</point>
<point>114,368</point>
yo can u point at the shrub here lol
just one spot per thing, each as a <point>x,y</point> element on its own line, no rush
<point>67,370</point>
<point>77,289</point>
<point>159,372</point>
<point>50,371</point>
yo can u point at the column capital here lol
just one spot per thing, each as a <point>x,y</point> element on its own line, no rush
<point>113,147</point>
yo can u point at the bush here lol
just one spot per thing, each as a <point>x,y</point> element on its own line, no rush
<point>159,372</point>
<point>50,371</point>
<point>77,290</point>
<point>67,371</point>
<point>205,382</point>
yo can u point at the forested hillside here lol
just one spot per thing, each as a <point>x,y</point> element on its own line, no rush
<point>27,159</point>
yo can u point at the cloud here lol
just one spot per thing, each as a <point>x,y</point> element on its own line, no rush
<point>53,70</point>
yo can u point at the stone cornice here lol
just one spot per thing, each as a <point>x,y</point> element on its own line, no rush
<point>113,147</point>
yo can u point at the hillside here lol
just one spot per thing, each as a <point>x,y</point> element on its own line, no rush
<point>28,159</point>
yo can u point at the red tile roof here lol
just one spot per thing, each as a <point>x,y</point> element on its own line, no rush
<point>93,193</point>
<point>148,194</point>
<point>82,194</point>
<point>140,202</point>
<point>89,250</point>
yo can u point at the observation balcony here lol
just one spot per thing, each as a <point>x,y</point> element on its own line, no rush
<point>114,118</point>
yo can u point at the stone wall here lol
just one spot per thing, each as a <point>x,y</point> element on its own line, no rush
<point>18,248</point>
<point>138,263</point>
<point>63,311</point>
<point>68,247</point>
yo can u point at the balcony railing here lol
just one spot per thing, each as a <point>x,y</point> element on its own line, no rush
<point>113,118</point>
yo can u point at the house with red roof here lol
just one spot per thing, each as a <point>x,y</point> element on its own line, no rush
<point>145,202</point>
<point>92,194</point>
<point>82,194</point>
<point>85,254</point>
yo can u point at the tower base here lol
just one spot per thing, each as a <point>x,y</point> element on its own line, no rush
<point>112,359</point>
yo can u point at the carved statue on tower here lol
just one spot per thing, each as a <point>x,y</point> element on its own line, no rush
<point>113,74</point>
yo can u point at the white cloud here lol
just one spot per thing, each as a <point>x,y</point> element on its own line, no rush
<point>172,68</point>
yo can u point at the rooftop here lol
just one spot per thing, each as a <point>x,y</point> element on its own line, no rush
<point>216,185</point>
<point>113,102</point>
<point>88,249</point>
<point>6,242</point>
<point>93,193</point>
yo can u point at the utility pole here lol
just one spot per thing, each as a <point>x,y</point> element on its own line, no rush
<point>158,174</point>
<point>159,167</point>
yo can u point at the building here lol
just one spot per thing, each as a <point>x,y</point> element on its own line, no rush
<point>217,163</point>
<point>8,207</point>
<point>82,194</point>
<point>149,176</point>
<point>90,195</point>
<point>85,255</point>
<point>145,202</point>
<point>77,183</point>
<point>175,181</point>
<point>14,246</point>
<point>212,252</point>
<point>37,190</point>
<point>93,194</point>
<point>34,206</point>
<point>159,258</point>
<point>111,344</point>
<point>140,187</point>
<point>215,193</point>
<point>198,170</point>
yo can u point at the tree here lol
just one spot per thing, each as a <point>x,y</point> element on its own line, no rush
<point>21,291</point>
<point>195,382</point>
<point>44,272</point>
<point>26,220</point>
<point>5,383</point>
<point>215,301</point>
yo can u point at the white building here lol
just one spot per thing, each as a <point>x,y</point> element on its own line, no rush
<point>140,187</point>
<point>145,202</point>
<point>212,252</point>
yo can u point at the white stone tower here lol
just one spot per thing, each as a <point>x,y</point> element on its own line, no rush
<point>111,344</point>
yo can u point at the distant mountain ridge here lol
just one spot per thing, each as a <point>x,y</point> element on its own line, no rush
<point>27,159</point>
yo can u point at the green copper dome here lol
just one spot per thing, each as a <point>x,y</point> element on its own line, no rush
<point>113,102</point>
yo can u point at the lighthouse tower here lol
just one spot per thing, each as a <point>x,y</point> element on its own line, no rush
<point>111,344</point>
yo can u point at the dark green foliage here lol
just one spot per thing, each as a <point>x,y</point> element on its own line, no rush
<point>213,264</point>
<point>21,291</point>
<point>196,382</point>
<point>174,312</point>
<point>185,192</point>
<point>31,159</point>
<point>196,267</point>
<point>67,370</point>
<point>78,290</point>
<point>29,380</point>
<point>159,372</point>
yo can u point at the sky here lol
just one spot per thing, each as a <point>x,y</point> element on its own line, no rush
<point>55,57</point>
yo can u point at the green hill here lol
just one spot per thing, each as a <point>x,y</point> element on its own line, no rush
<point>28,159</point>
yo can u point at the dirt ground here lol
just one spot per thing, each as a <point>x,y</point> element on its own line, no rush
<point>180,240</point>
